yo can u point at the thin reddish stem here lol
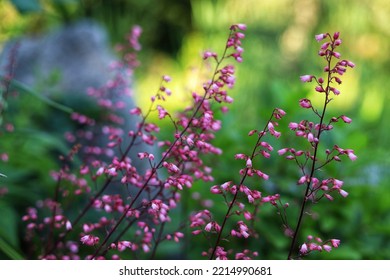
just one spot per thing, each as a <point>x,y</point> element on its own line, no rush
<point>314,160</point>
<point>231,204</point>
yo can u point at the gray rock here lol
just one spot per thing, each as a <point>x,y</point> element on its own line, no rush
<point>78,53</point>
<point>63,64</point>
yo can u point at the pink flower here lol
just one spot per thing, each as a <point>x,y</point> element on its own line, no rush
<point>336,54</point>
<point>327,248</point>
<point>337,42</point>
<point>324,46</point>
<point>215,190</point>
<point>208,54</point>
<point>279,113</point>
<point>351,155</point>
<point>196,232</point>
<point>310,137</point>
<point>337,183</point>
<point>302,180</point>
<point>343,193</point>
<point>241,26</point>
<point>319,89</point>
<point>112,171</point>
<point>167,78</point>
<point>68,225</point>
<point>145,247</point>
<point>122,245</point>
<point>329,197</point>
<point>171,167</point>
<point>265,154</point>
<point>303,250</point>
<point>335,90</point>
<point>293,126</point>
<point>208,227</point>
<point>320,37</point>
<point>142,155</point>
<point>283,151</point>
<point>226,185</point>
<point>305,103</point>
<point>306,78</point>
<point>262,175</point>
<point>335,242</point>
<point>89,240</point>
<point>162,113</point>
<point>273,131</point>
<point>84,170</point>
<point>350,63</point>
<point>240,156</point>
<point>248,215</point>
<point>346,119</point>
<point>135,111</point>
<point>240,35</point>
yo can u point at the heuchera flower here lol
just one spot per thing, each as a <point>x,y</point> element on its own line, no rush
<point>335,242</point>
<point>320,37</point>
<point>303,250</point>
<point>311,159</point>
<point>89,240</point>
<point>305,103</point>
<point>306,78</point>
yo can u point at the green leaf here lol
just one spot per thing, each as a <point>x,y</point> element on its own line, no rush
<point>29,6</point>
<point>9,250</point>
<point>20,86</point>
<point>8,231</point>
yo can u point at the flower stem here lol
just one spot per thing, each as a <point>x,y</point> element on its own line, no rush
<point>314,160</point>
<point>241,183</point>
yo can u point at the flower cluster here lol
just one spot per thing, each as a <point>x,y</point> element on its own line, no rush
<point>312,161</point>
<point>233,193</point>
<point>131,179</point>
<point>134,201</point>
<point>316,244</point>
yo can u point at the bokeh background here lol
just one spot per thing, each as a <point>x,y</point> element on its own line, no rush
<point>279,47</point>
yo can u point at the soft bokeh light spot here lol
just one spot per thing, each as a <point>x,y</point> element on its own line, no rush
<point>372,105</point>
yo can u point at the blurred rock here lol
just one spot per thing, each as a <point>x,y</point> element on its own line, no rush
<point>62,65</point>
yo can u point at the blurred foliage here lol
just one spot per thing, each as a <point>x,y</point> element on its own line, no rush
<point>279,47</point>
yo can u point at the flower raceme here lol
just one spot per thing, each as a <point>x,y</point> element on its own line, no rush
<point>240,197</point>
<point>136,223</point>
<point>311,162</point>
<point>316,244</point>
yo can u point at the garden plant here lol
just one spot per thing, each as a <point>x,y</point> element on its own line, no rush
<point>103,205</point>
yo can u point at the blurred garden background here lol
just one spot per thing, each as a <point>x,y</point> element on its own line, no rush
<point>279,47</point>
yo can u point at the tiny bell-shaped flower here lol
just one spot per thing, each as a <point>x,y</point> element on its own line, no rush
<point>343,193</point>
<point>320,37</point>
<point>241,26</point>
<point>351,155</point>
<point>283,151</point>
<point>306,78</point>
<point>346,119</point>
<point>303,250</point>
<point>305,103</point>
<point>327,247</point>
<point>335,242</point>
